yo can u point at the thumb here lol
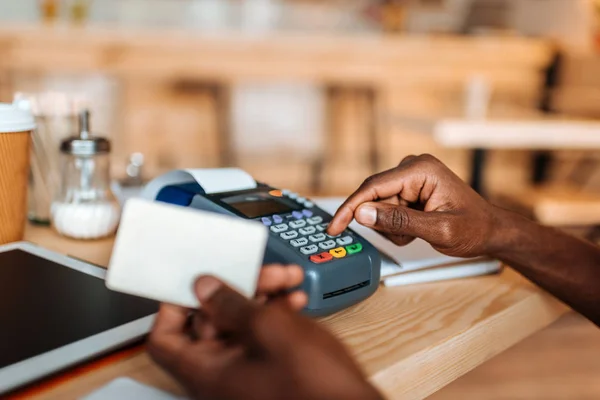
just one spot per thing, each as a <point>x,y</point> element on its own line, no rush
<point>228,311</point>
<point>400,220</point>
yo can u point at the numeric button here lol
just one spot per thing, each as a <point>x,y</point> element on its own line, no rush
<point>315,220</point>
<point>289,235</point>
<point>322,227</point>
<point>328,245</point>
<point>343,241</point>
<point>299,242</point>
<point>279,228</point>
<point>298,224</point>
<point>319,237</point>
<point>309,230</point>
<point>310,249</point>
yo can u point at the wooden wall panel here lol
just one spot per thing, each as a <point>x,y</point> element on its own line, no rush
<point>295,174</point>
<point>349,153</point>
<point>171,126</point>
<point>579,101</point>
<point>350,128</point>
<point>580,70</point>
<point>6,88</point>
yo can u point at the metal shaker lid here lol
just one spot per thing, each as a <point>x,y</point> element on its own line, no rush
<point>85,144</point>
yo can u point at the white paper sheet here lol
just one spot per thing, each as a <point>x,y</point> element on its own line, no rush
<point>161,249</point>
<point>215,180</point>
<point>128,389</point>
<point>445,273</point>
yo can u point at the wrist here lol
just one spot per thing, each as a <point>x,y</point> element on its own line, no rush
<point>507,231</point>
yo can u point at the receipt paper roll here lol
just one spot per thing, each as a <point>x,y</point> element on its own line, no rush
<point>215,180</point>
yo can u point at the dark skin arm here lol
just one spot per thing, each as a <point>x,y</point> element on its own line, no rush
<point>423,198</point>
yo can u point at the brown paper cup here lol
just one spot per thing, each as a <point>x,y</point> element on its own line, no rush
<point>15,136</point>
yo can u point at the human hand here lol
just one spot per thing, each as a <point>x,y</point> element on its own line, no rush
<point>276,281</point>
<point>257,350</point>
<point>275,284</point>
<point>422,198</point>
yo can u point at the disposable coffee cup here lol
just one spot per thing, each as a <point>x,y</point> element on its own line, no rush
<point>16,126</point>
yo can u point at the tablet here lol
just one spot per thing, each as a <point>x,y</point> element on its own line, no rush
<point>55,311</point>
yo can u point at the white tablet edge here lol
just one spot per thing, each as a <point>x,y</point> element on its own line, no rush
<point>34,368</point>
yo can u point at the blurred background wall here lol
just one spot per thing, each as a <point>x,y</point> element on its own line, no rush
<point>331,134</point>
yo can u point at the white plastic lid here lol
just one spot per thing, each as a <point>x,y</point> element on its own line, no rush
<point>14,119</point>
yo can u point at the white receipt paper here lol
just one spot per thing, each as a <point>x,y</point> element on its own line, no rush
<point>215,180</point>
<point>161,249</point>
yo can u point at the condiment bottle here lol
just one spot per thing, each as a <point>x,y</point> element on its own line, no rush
<point>85,207</point>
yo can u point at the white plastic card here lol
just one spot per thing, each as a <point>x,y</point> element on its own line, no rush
<point>161,249</point>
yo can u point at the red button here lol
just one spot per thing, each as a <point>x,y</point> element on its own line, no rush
<point>321,258</point>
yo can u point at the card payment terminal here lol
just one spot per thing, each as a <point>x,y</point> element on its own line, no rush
<point>339,270</point>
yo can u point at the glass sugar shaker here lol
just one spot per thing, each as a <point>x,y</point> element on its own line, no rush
<point>85,207</point>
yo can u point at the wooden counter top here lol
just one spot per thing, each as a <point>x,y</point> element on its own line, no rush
<point>411,340</point>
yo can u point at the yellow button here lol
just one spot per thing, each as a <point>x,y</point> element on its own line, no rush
<point>340,252</point>
<point>276,193</point>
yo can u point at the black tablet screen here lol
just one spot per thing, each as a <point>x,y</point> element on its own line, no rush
<point>44,306</point>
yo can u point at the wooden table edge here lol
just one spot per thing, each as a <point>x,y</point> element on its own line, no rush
<point>452,358</point>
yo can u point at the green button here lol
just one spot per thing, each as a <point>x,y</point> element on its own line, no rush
<point>354,248</point>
